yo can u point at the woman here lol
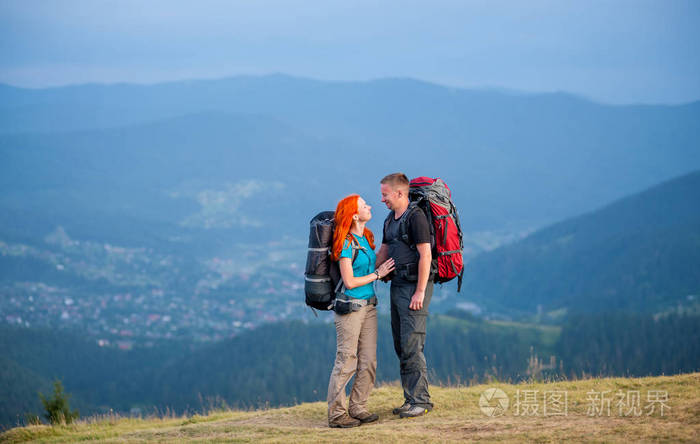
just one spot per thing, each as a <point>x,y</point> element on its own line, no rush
<point>356,331</point>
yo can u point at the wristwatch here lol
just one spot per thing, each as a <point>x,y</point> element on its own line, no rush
<point>377,273</point>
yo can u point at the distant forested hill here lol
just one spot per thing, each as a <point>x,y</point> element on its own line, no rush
<point>276,364</point>
<point>290,362</point>
<point>638,254</point>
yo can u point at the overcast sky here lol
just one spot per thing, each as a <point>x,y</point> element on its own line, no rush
<point>611,51</point>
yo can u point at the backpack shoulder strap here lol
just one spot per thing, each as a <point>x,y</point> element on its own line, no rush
<point>356,247</point>
<point>403,222</point>
<point>387,221</point>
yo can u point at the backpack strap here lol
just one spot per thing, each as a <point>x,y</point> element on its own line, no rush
<point>413,206</point>
<point>387,221</point>
<point>459,280</point>
<point>403,223</point>
<point>356,247</point>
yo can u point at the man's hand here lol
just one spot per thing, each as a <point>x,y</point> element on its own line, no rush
<point>423,275</point>
<point>417,300</point>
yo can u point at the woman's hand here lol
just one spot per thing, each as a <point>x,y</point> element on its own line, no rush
<point>386,268</point>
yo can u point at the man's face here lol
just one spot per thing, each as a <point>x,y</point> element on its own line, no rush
<point>389,196</point>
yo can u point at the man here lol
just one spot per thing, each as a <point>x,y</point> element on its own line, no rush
<point>411,290</point>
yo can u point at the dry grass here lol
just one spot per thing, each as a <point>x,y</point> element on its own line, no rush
<point>456,417</point>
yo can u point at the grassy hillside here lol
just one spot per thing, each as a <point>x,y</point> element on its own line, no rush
<point>276,364</point>
<point>283,364</point>
<point>457,417</point>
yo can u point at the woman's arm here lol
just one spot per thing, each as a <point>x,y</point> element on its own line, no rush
<point>351,281</point>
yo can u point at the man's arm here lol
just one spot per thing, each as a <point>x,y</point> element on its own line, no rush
<point>382,254</point>
<point>426,257</point>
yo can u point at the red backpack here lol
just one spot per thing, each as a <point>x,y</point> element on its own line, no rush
<point>435,199</point>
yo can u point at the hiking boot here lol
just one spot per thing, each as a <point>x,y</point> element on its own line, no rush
<point>344,422</point>
<point>414,411</point>
<point>366,417</point>
<point>406,405</point>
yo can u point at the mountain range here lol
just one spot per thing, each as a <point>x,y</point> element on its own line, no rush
<point>638,254</point>
<point>146,230</point>
<point>206,188</point>
<point>266,153</point>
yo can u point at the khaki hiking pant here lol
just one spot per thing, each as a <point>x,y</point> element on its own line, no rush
<point>356,337</point>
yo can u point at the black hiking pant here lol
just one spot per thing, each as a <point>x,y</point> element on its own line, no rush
<point>408,331</point>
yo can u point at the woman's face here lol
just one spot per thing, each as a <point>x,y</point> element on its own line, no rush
<point>364,211</point>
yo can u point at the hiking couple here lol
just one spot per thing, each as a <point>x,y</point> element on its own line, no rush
<point>404,257</point>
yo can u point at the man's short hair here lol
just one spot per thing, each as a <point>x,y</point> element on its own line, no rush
<point>396,180</point>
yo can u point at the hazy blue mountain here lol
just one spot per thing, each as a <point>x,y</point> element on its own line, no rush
<point>638,254</point>
<point>514,161</point>
<point>206,188</point>
<point>140,185</point>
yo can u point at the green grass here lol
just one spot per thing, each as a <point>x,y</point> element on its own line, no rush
<point>456,417</point>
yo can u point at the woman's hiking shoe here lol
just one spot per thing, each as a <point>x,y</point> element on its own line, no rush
<point>406,405</point>
<point>414,411</point>
<point>366,417</point>
<point>344,422</point>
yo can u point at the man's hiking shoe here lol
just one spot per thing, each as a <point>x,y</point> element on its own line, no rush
<point>406,405</point>
<point>366,417</point>
<point>344,422</point>
<point>413,412</point>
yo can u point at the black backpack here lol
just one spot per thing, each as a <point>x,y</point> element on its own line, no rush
<point>322,275</point>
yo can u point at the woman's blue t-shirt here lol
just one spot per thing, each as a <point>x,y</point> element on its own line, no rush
<point>363,265</point>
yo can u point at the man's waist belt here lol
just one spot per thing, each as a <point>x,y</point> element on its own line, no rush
<point>408,272</point>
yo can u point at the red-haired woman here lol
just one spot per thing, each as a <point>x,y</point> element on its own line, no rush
<point>356,330</point>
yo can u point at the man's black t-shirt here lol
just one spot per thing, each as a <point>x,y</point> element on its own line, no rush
<point>418,233</point>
